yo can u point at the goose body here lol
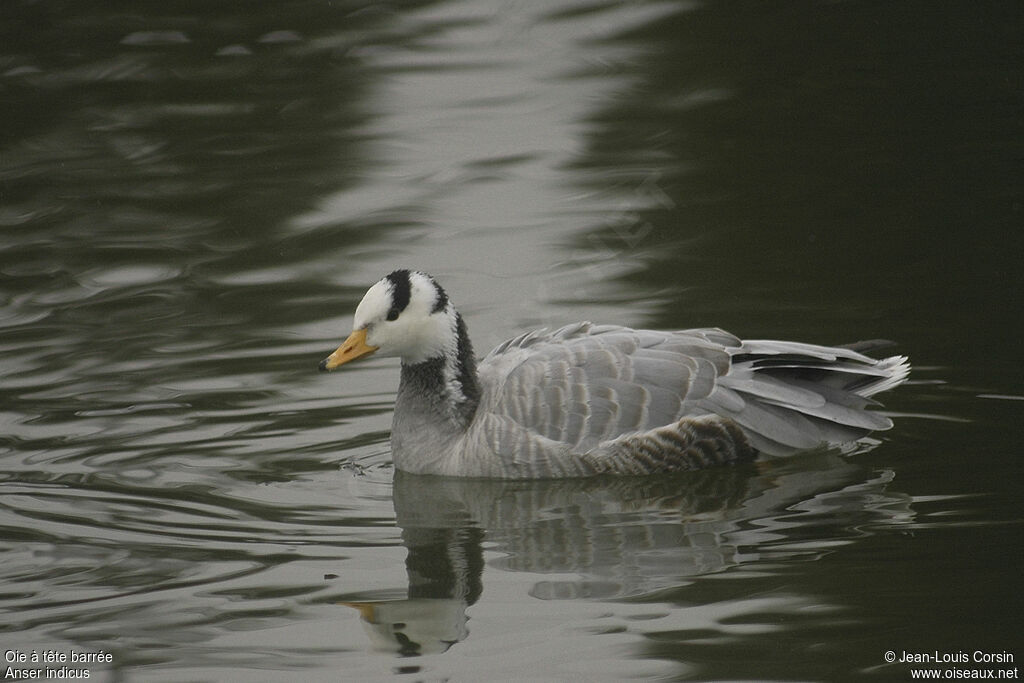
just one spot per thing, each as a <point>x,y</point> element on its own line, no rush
<point>592,399</point>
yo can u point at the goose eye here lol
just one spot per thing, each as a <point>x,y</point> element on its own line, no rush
<point>393,314</point>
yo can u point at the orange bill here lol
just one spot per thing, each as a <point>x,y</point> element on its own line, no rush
<point>353,347</point>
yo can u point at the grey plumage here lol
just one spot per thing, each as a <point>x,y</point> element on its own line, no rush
<point>588,399</point>
<point>600,399</point>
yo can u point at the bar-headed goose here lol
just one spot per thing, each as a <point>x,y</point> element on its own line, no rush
<point>590,399</point>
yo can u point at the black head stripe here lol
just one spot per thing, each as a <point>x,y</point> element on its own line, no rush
<point>401,290</point>
<point>442,299</point>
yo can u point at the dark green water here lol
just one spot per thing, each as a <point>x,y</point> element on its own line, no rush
<point>193,200</point>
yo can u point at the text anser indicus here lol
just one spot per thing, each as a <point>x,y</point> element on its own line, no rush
<point>590,399</point>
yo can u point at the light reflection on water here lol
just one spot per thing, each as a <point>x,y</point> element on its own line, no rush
<point>192,206</point>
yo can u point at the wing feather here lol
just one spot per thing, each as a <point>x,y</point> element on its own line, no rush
<point>671,374</point>
<point>767,387</point>
<point>771,347</point>
<point>663,407</point>
<point>786,427</point>
<point>631,400</point>
<point>582,385</point>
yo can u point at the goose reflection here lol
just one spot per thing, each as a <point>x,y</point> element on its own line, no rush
<point>444,565</point>
<point>616,537</point>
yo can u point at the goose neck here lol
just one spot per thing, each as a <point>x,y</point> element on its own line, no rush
<point>445,386</point>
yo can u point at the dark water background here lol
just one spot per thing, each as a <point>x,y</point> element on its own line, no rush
<point>193,198</point>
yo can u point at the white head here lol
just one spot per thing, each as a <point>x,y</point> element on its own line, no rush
<point>405,314</point>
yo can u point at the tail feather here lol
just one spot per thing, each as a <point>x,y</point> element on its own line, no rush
<point>899,370</point>
<point>796,396</point>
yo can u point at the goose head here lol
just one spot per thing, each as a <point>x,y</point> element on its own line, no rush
<point>405,314</point>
